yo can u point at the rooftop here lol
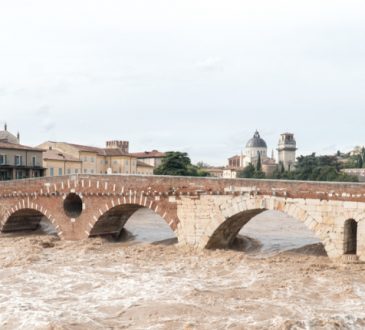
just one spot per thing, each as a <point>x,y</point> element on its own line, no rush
<point>149,154</point>
<point>6,136</point>
<point>256,142</point>
<point>16,146</point>
<point>142,164</point>
<point>52,154</point>
<point>99,151</point>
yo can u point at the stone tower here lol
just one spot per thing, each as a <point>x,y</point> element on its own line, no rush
<point>286,149</point>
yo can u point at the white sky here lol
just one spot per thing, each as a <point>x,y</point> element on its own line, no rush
<point>191,75</point>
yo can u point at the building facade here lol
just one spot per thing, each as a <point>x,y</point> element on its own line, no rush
<point>153,158</point>
<point>57,163</point>
<point>18,161</point>
<point>144,169</point>
<point>68,158</point>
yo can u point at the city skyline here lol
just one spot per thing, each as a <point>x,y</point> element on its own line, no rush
<point>272,149</point>
<point>194,76</point>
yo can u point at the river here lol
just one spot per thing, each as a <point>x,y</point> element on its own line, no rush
<point>283,282</point>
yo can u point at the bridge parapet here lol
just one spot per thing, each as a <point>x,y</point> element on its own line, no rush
<point>186,186</point>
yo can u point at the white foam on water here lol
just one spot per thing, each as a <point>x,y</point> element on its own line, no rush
<point>110,285</point>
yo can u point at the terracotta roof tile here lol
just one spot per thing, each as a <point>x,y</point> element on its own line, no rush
<point>7,145</point>
<point>57,155</point>
<point>149,154</point>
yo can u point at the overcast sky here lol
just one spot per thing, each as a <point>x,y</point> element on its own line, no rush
<point>191,75</point>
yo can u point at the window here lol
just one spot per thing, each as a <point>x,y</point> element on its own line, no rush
<point>92,171</point>
<point>34,161</point>
<point>60,172</point>
<point>85,170</point>
<point>92,159</point>
<point>18,160</point>
<point>115,162</point>
<point>68,171</point>
<point>126,162</point>
<point>3,159</point>
<point>51,171</point>
<point>76,171</point>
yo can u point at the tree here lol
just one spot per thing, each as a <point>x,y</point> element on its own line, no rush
<point>201,164</point>
<point>259,165</point>
<point>247,172</point>
<point>320,168</point>
<point>178,164</point>
<point>251,172</point>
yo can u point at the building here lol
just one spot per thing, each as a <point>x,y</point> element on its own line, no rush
<point>215,172</point>
<point>57,163</point>
<point>231,173</point>
<point>287,151</point>
<point>69,158</point>
<point>144,169</point>
<point>358,172</point>
<point>256,150</point>
<point>18,161</point>
<point>153,158</point>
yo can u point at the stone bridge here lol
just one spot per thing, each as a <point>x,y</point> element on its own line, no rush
<point>203,212</point>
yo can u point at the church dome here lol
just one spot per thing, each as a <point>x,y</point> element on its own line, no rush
<point>256,142</point>
<point>8,137</point>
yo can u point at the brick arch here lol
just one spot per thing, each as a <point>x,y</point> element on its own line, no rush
<point>239,211</point>
<point>33,208</point>
<point>111,217</point>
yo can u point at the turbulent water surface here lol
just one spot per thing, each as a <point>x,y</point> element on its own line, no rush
<point>99,284</point>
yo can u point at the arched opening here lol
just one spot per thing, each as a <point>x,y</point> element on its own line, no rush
<point>29,220</point>
<point>133,222</point>
<point>350,237</point>
<point>72,205</point>
<point>149,227</point>
<point>265,232</point>
<point>227,232</point>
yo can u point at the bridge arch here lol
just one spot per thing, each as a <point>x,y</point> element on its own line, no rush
<point>27,218</point>
<point>110,219</point>
<point>237,213</point>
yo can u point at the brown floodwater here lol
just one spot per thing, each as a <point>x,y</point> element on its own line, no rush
<point>283,281</point>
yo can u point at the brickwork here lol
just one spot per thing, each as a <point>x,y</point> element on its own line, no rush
<point>203,212</point>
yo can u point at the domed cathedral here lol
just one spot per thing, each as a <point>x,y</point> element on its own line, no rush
<point>7,137</point>
<point>255,148</point>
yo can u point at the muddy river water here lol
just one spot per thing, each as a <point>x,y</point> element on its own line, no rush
<point>283,281</point>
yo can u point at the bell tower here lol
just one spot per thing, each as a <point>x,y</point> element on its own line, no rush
<point>287,148</point>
